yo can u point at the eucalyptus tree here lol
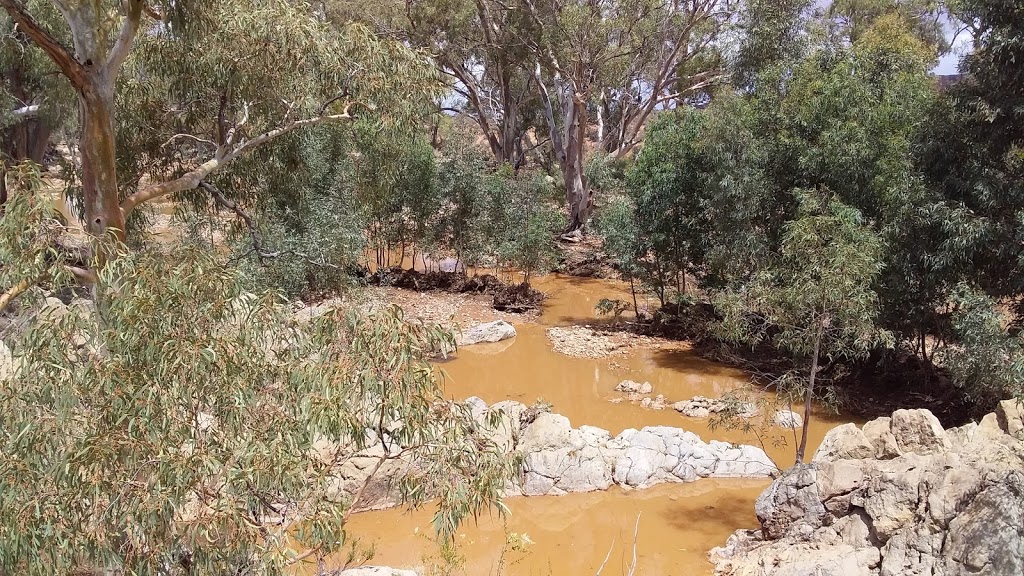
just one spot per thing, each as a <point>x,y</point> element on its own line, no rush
<point>927,19</point>
<point>815,299</point>
<point>219,435</point>
<point>172,93</point>
<point>565,67</point>
<point>479,46</point>
<point>971,152</point>
<point>773,32</point>
<point>623,56</point>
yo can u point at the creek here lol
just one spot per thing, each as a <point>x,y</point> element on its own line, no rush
<point>572,534</point>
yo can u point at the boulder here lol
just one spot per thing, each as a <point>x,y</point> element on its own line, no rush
<point>1010,416</point>
<point>879,434</point>
<point>488,332</point>
<point>846,441</point>
<point>918,431</point>
<point>558,459</point>
<point>548,431</point>
<point>687,409</point>
<point>634,387</point>
<point>788,420</point>
<point>702,407</point>
<point>656,403</point>
<point>791,500</point>
<point>988,535</point>
<point>54,303</point>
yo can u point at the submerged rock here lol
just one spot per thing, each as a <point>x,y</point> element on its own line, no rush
<point>702,407</point>
<point>898,496</point>
<point>657,403</point>
<point>634,387</point>
<point>788,419</point>
<point>487,332</point>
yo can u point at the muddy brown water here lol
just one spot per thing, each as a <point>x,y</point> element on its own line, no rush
<point>572,534</point>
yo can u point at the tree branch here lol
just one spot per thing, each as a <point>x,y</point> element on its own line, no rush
<point>17,290</point>
<point>57,52</point>
<point>190,180</point>
<point>189,136</point>
<point>125,39</point>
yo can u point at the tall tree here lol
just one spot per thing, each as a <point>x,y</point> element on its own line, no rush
<point>927,19</point>
<point>478,44</point>
<point>254,71</point>
<point>815,300</point>
<point>626,54</point>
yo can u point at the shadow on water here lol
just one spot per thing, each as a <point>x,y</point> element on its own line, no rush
<point>702,516</point>
<point>686,360</point>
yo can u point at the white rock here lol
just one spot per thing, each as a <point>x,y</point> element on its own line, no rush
<point>488,332</point>
<point>687,409</point>
<point>788,419</point>
<point>900,497</point>
<point>656,403</point>
<point>1010,415</point>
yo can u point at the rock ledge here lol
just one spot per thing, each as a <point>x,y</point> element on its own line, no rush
<point>899,496</point>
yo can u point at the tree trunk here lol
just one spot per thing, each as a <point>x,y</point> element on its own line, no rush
<point>571,161</point>
<point>99,164</point>
<point>632,290</point>
<point>802,448</point>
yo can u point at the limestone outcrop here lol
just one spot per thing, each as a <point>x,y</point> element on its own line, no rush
<point>898,496</point>
<point>558,459</point>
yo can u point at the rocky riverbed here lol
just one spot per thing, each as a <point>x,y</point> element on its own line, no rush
<point>898,496</point>
<point>559,459</point>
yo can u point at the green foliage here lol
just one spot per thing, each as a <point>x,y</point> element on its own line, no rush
<point>462,223</point>
<point>396,191</point>
<point>185,426</point>
<point>773,34</point>
<point>987,360</point>
<point>971,155</point>
<point>851,19</point>
<point>713,187</point>
<point>819,287</point>
<point>617,224</point>
<point>29,229</point>
<point>605,175</point>
<point>525,224</point>
<point>309,223</point>
<point>615,307</point>
<point>702,203</point>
